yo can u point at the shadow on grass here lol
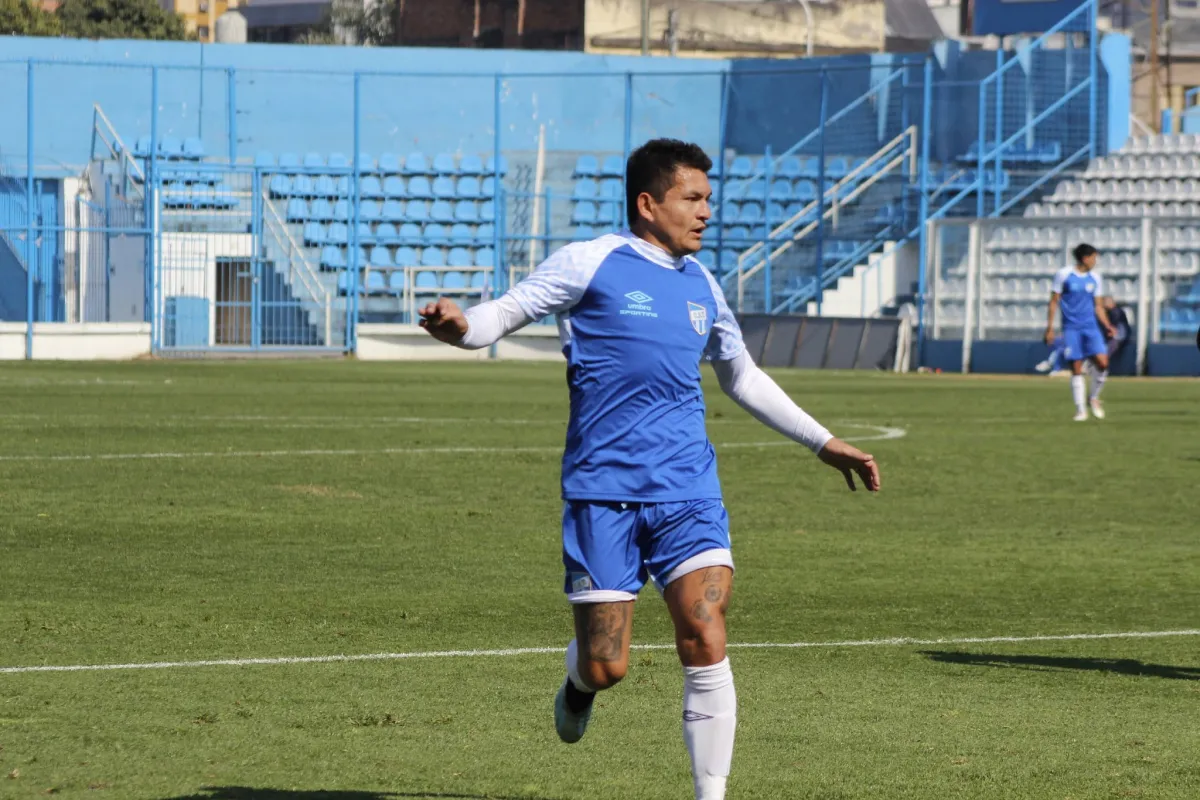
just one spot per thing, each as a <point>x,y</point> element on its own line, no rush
<point>1119,666</point>
<point>251,793</point>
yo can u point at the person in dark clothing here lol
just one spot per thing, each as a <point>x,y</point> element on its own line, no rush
<point>1120,324</point>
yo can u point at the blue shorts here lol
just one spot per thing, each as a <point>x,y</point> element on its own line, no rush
<point>611,548</point>
<point>1083,343</point>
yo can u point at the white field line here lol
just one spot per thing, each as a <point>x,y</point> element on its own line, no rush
<point>884,432</point>
<point>524,651</point>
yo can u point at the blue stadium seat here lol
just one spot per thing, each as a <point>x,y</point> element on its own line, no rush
<point>280,186</point>
<point>337,233</point>
<point>392,211</point>
<point>586,189</point>
<point>587,166</point>
<point>343,283</point>
<point>193,149</point>
<point>141,147</point>
<point>332,258</point>
<point>341,210</point>
<point>466,211</point>
<point>261,159</point>
<point>487,212</point>
<point>222,197</point>
<point>169,147</point>
<point>380,257</point>
<point>485,234</point>
<point>338,161</point>
<point>289,161</point>
<point>485,257</point>
<point>796,207</point>
<point>313,161</point>
<point>737,233</point>
<point>444,188</point>
<point>362,258</point>
<point>487,187</point>
<point>613,167</point>
<point>393,186</point>
<point>442,211</point>
<point>385,234</point>
<point>790,167</point>
<point>321,209</point>
<point>324,186</point>
<point>804,190</point>
<point>415,163</point>
<point>471,165</point>
<point>176,195</point>
<point>781,190</point>
<point>837,168</point>
<point>750,213</point>
<point>776,213</point>
<point>612,188</point>
<point>461,234</point>
<point>371,187</point>
<point>314,234</point>
<point>469,188</point>
<point>410,234</point>
<point>584,214</point>
<point>417,211</point>
<point>708,258</point>
<point>376,282</point>
<point>443,164</point>
<point>727,260</point>
<point>389,164</point>
<point>343,186</point>
<point>479,280</point>
<point>365,234</point>
<point>754,190</point>
<point>435,234</point>
<point>369,211</point>
<point>297,210</point>
<point>365,162</point>
<point>582,233</point>
<point>455,280</point>
<point>426,280</point>
<point>396,281</point>
<point>459,257</point>
<point>302,186</point>
<point>407,257</point>
<point>607,213</point>
<point>742,167</point>
<point>495,167</point>
<point>420,187</point>
<point>433,257</point>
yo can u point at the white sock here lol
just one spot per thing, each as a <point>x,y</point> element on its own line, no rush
<point>1079,391</point>
<point>573,668</point>
<point>1098,378</point>
<point>709,721</point>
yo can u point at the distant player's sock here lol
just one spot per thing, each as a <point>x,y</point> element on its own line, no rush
<point>579,692</point>
<point>709,721</point>
<point>1079,392</point>
<point>1098,378</point>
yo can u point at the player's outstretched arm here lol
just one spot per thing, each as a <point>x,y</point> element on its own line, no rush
<point>475,328</point>
<point>753,390</point>
<point>1052,312</point>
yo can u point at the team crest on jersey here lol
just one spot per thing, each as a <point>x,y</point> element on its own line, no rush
<point>698,314</point>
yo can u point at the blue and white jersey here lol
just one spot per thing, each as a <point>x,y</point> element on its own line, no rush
<point>1077,297</point>
<point>634,325</point>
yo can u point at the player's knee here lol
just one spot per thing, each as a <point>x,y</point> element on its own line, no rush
<point>604,674</point>
<point>701,645</point>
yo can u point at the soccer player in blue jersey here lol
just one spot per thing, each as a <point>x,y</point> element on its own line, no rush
<point>636,314</point>
<point>1078,295</point>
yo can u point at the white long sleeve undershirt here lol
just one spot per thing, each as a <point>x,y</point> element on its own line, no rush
<point>739,377</point>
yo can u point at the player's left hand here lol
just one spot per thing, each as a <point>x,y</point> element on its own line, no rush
<point>850,461</point>
<point>444,320</point>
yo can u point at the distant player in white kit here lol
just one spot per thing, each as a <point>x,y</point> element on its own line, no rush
<point>636,314</point>
<point>1078,293</point>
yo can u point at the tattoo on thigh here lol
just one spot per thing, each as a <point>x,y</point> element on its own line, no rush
<point>713,594</point>
<point>606,632</point>
<point>700,612</point>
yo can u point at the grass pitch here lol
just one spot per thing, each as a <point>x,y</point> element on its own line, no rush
<point>202,511</point>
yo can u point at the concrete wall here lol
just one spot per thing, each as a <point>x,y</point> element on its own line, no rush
<point>102,341</point>
<point>388,342</point>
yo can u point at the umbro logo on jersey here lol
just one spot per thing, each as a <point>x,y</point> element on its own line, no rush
<point>698,315</point>
<point>640,307</point>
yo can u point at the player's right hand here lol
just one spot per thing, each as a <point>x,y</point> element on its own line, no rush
<point>851,461</point>
<point>444,320</point>
<point>1049,336</point>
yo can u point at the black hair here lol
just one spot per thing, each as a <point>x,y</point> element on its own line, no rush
<point>1083,251</point>
<point>652,167</point>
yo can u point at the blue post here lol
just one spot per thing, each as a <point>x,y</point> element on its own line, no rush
<point>999,128</point>
<point>767,228</point>
<point>151,199</point>
<point>981,137</point>
<point>546,240</point>
<point>720,159</point>
<point>200,105</point>
<point>923,233</point>
<point>500,276</point>
<point>1093,88</point>
<point>355,267</point>
<point>628,145</point>
<point>29,245</point>
<point>821,193</point>
<point>904,117</point>
<point>256,271</point>
<point>231,78</point>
